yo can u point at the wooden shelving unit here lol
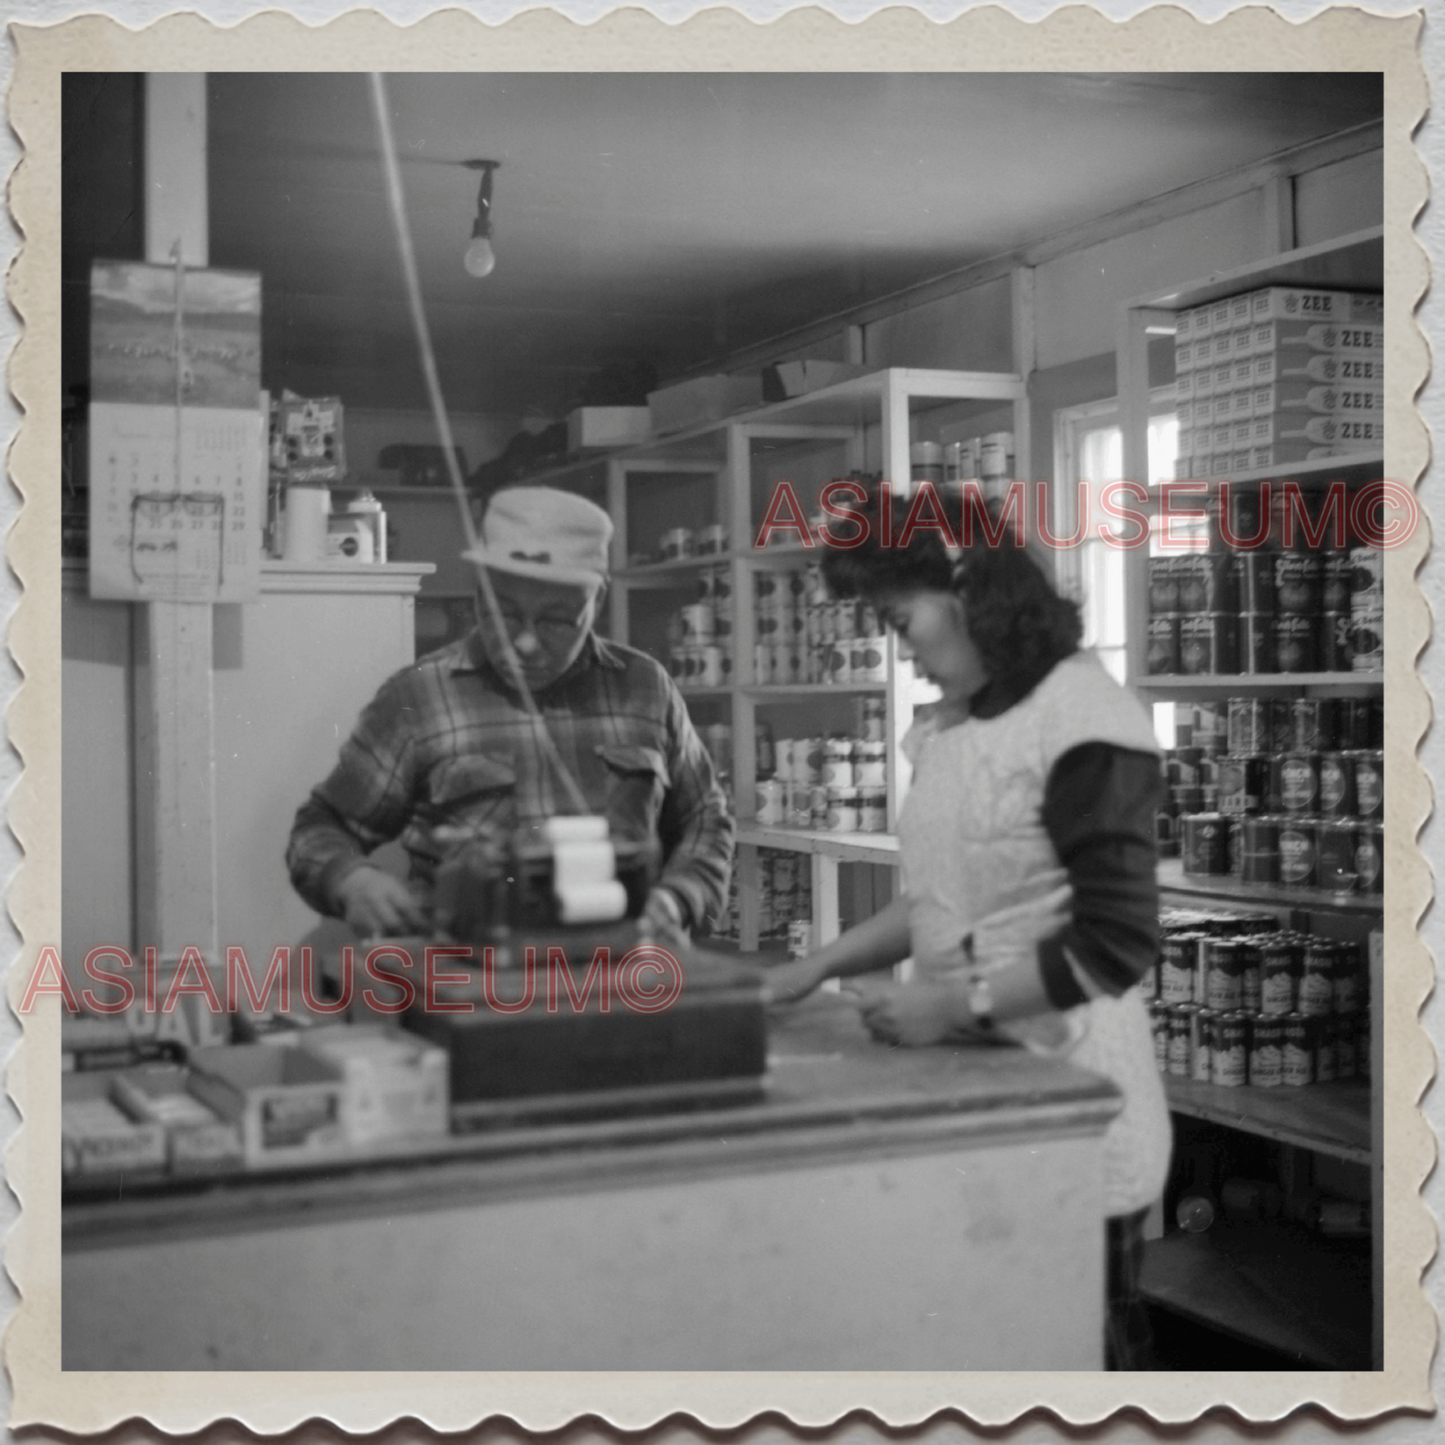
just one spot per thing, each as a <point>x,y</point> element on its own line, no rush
<point>1270,1282</point>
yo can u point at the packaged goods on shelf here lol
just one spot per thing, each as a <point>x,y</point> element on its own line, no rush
<point>197,1141</point>
<point>705,399</point>
<point>308,441</point>
<point>396,1084</point>
<point>97,1137</point>
<point>591,428</point>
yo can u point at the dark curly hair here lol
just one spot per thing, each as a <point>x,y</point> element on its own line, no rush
<point>1020,625</point>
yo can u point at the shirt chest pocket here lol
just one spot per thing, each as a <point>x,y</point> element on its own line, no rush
<point>636,780</point>
<point>464,796</point>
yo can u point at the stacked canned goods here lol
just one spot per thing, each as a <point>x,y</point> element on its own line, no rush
<point>1298,799</point>
<point>837,784</point>
<point>804,636</point>
<point>785,897</point>
<point>1235,1001</point>
<point>700,634</point>
<point>1266,611</point>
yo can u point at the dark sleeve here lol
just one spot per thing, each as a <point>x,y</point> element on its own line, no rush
<point>1099,807</point>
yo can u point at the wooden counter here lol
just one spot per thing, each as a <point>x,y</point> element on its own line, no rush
<point>879,1209</point>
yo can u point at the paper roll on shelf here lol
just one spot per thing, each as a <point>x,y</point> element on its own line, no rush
<point>307,512</point>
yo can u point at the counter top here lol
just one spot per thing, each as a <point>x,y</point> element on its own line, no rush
<point>830,1093</point>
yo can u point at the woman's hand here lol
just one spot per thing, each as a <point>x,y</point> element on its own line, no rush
<point>914,1014</point>
<point>788,982</point>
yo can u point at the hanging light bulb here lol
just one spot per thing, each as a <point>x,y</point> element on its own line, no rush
<point>480,260</point>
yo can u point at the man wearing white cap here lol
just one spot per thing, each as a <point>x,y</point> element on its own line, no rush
<point>447,748</point>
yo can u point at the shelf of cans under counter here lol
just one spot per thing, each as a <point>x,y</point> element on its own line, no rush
<point>1264,1029</point>
<point>1287,793</point>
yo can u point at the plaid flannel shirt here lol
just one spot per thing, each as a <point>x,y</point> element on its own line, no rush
<point>446,744</point>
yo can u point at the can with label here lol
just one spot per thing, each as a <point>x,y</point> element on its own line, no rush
<point>1349,980</point>
<point>1337,785</point>
<point>1352,723</point>
<point>1310,725</point>
<point>1346,1064</point>
<point>1181,1025</point>
<point>1297,1064</point>
<point>1370,858</point>
<point>1266,1052</point>
<point>1255,585</point>
<point>1208,643</point>
<point>1250,976</point>
<point>1367,576</point>
<point>869,659</point>
<point>872,810</point>
<point>1296,641</point>
<point>1367,641</point>
<point>1201,1045</point>
<point>1297,582</point>
<point>872,719</point>
<point>1259,849</point>
<point>838,763</point>
<point>1211,722</point>
<point>1248,726</point>
<point>1243,784</point>
<point>845,620</point>
<point>1229,1058</point>
<point>1163,643</point>
<point>1205,843</point>
<point>1256,642</point>
<point>1336,647</point>
<point>1159,1026</point>
<point>1298,782</point>
<point>1148,984</point>
<point>840,664</point>
<point>818,805</point>
<point>1369,783</point>
<point>1163,586</point>
<point>769,803</point>
<point>1177,955</point>
<point>1326,1035</point>
<point>1335,582</point>
<point>869,765</point>
<point>1182,767</point>
<point>1317,979</point>
<point>842,810</point>
<point>1276,977</point>
<point>1297,851</point>
<point>1207,582</point>
<point>1335,855</point>
<point>1223,975</point>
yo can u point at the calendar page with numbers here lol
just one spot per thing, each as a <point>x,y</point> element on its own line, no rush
<point>177,446</point>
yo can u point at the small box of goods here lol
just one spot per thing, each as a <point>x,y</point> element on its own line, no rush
<point>97,1137</point>
<point>396,1083</point>
<point>704,399</point>
<point>592,427</point>
<point>197,1141</point>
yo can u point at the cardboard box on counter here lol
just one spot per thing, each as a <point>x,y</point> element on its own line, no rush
<point>197,1141</point>
<point>97,1138</point>
<point>798,378</point>
<point>708,398</point>
<point>396,1083</point>
<point>287,1102</point>
<point>592,428</point>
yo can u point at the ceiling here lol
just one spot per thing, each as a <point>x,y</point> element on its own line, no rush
<point>665,219</point>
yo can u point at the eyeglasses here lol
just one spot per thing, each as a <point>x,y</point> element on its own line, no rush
<point>549,628</point>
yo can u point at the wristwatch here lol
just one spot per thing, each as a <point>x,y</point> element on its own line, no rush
<point>980,991</point>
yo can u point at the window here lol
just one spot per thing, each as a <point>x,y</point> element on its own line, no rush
<point>1089,450</point>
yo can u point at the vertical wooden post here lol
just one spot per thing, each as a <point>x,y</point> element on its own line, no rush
<point>1278,214</point>
<point>1025,348</point>
<point>175,771</point>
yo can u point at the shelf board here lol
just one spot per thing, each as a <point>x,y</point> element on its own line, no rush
<point>1227,888</point>
<point>1271,1284</point>
<point>1318,470</point>
<point>691,692</point>
<point>783,692</point>
<point>1352,262</point>
<point>1331,1119</point>
<point>1211,682</point>
<point>848,847</point>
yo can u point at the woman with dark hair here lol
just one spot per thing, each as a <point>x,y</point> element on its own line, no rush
<point>1029,900</point>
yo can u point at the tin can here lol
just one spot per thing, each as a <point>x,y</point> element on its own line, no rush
<point>1276,977</point>
<point>845,620</point>
<point>800,938</point>
<point>1255,572</point>
<point>818,804</point>
<point>1336,647</point>
<point>1336,582</point>
<point>1337,785</point>
<point>1297,851</point>
<point>1296,641</point>
<point>1297,583</point>
<point>1369,783</point>
<point>1243,784</point>
<point>1201,1045</point>
<point>1159,1026</point>
<point>1229,1057</point>
<point>770,803</point>
<point>1326,1038</point>
<point>1163,644</point>
<point>1256,642</point>
<point>1349,978</point>
<point>869,765</point>
<point>1352,723</point>
<point>1346,1060</point>
<point>1181,1025</point>
<point>1250,976</point>
<point>1317,980</point>
<point>1208,643</point>
<point>1148,984</point>
<point>1298,785</point>
<point>676,544</point>
<point>1248,726</point>
<point>800,805</point>
<point>1163,586</point>
<point>1207,582</point>
<point>1335,855</point>
<point>1266,1052</point>
<point>872,810</point>
<point>764,664</point>
<point>1297,1063</point>
<point>1310,730</point>
<point>1177,956</point>
<point>840,664</point>
<point>1204,843</point>
<point>1367,576</point>
<point>1367,641</point>
<point>842,810</point>
<point>869,659</point>
<point>1211,724</point>
<point>716,666</point>
<point>1370,858</point>
<point>1223,975</point>
<point>872,719</point>
<point>838,763</point>
<point>1259,849</point>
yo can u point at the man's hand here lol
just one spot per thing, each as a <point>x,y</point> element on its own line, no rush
<point>913,1014</point>
<point>376,903</point>
<point>788,982</point>
<point>662,918</point>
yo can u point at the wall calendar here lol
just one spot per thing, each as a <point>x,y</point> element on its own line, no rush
<point>177,446</point>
